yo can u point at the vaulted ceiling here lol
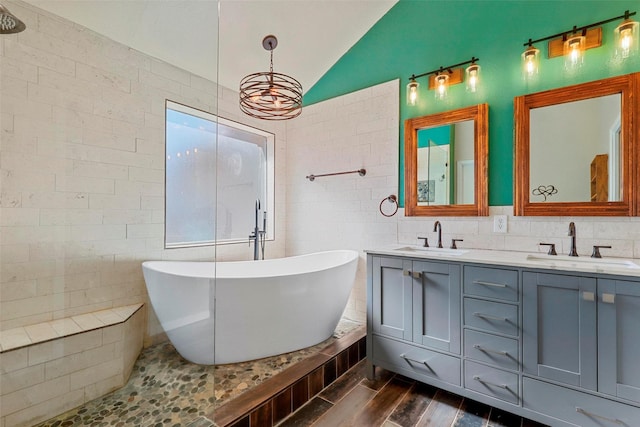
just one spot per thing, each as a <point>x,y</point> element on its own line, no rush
<point>222,40</point>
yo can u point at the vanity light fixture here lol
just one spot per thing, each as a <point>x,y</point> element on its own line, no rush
<point>269,95</point>
<point>626,37</point>
<point>572,44</point>
<point>573,50</point>
<point>530,61</point>
<point>472,77</point>
<point>412,91</point>
<point>441,78</point>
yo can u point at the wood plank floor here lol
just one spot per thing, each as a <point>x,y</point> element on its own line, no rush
<point>394,400</point>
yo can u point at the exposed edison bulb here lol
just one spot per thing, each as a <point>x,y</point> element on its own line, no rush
<point>412,92</point>
<point>473,77</point>
<point>574,52</point>
<point>442,81</point>
<point>626,39</point>
<point>275,97</point>
<point>530,63</point>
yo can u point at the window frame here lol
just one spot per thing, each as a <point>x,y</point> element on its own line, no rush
<point>270,175</point>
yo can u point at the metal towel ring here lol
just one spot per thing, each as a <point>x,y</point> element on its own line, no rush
<point>393,199</point>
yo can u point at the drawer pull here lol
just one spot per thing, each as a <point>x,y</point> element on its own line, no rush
<point>421,362</point>
<point>480,380</point>
<point>489,317</point>
<point>495,285</point>
<point>489,350</point>
<point>406,272</point>
<point>592,415</point>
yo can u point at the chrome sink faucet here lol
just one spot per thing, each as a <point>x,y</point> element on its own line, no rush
<point>572,234</point>
<point>438,227</point>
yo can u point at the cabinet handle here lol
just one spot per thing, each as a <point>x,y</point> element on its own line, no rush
<point>592,415</point>
<point>480,380</point>
<point>490,350</point>
<point>421,362</point>
<point>609,298</point>
<point>496,285</point>
<point>588,296</point>
<point>414,274</point>
<point>488,317</point>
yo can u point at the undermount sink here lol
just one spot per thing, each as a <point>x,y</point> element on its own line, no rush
<point>432,251</point>
<point>567,261</point>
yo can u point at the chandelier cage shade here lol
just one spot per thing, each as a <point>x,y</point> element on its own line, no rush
<point>269,95</point>
<point>9,24</point>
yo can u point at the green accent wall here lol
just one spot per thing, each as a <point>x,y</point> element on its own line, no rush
<point>416,36</point>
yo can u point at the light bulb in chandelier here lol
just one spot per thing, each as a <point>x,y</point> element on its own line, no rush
<point>412,91</point>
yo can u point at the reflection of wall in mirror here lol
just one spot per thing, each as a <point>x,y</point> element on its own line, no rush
<point>465,177</point>
<point>564,139</point>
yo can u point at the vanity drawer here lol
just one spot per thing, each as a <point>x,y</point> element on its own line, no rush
<point>492,382</point>
<point>491,283</point>
<point>491,316</point>
<point>576,407</point>
<point>425,363</point>
<point>491,349</point>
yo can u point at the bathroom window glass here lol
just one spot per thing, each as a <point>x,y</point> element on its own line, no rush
<point>218,179</point>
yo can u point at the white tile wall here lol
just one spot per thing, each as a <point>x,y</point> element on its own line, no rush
<point>358,130</point>
<point>82,169</point>
<point>48,378</point>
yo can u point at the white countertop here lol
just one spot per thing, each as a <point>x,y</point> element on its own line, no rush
<point>586,264</point>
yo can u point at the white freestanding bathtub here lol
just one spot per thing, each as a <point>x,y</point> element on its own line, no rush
<point>229,312</point>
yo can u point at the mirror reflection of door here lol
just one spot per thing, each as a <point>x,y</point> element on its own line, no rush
<point>574,149</point>
<point>445,164</point>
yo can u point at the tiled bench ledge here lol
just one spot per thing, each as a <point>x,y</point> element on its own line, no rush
<point>51,367</point>
<point>13,339</point>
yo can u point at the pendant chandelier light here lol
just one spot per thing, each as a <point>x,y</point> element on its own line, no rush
<point>9,24</point>
<point>269,95</point>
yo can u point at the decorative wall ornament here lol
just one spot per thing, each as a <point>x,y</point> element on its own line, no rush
<point>544,191</point>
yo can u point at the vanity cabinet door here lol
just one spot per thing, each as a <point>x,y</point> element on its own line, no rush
<point>619,338</point>
<point>436,305</point>
<point>391,297</point>
<point>559,328</point>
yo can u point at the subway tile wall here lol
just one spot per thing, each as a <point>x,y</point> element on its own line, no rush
<point>357,130</point>
<point>82,169</point>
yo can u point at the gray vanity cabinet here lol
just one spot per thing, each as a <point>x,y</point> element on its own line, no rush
<point>619,339</point>
<point>559,328</point>
<point>414,318</point>
<point>417,301</point>
<point>391,314</point>
<point>560,347</point>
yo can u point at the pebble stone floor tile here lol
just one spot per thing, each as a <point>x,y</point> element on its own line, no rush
<point>166,390</point>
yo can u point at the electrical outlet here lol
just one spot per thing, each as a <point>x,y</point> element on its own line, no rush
<point>500,224</point>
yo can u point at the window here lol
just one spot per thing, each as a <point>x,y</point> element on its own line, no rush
<point>216,173</point>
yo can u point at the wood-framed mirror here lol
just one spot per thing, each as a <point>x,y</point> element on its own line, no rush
<point>446,163</point>
<point>576,150</point>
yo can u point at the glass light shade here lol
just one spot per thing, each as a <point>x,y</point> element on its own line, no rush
<point>412,92</point>
<point>530,63</point>
<point>472,77</point>
<point>626,39</point>
<point>574,52</point>
<point>442,83</point>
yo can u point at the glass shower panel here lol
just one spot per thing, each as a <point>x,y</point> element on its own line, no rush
<point>82,192</point>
